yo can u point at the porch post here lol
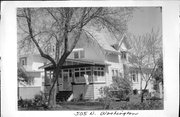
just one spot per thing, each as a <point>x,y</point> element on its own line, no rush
<point>92,74</point>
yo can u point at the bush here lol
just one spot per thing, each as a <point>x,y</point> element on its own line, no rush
<point>135,92</point>
<point>120,89</point>
<point>38,103</point>
<point>147,105</point>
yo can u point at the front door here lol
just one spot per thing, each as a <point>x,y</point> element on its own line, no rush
<point>65,81</point>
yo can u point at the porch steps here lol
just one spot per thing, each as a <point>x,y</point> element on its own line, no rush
<point>63,95</point>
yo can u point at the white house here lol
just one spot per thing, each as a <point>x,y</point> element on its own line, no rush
<point>30,64</point>
<point>93,64</point>
<point>96,59</point>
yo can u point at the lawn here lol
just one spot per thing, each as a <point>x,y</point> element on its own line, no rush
<point>113,105</point>
<point>133,104</point>
<point>82,105</point>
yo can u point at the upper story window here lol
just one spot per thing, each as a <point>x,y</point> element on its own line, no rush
<point>134,76</point>
<point>123,55</point>
<point>79,54</point>
<point>23,61</point>
<point>116,72</point>
<point>76,54</point>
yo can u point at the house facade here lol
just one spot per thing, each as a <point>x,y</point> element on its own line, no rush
<point>92,64</point>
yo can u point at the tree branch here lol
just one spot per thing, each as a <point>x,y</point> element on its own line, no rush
<point>34,40</point>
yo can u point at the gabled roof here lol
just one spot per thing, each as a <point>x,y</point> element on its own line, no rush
<point>124,40</point>
<point>102,38</point>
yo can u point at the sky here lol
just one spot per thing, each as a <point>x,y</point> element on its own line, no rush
<point>144,19</point>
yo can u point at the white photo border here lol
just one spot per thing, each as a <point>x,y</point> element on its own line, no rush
<point>170,30</point>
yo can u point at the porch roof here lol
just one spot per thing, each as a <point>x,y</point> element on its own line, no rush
<point>76,63</point>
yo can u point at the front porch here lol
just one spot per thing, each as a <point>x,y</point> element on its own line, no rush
<point>77,77</point>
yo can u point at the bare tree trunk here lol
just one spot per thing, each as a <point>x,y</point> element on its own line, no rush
<point>142,96</point>
<point>52,97</point>
<point>53,89</point>
<point>141,92</point>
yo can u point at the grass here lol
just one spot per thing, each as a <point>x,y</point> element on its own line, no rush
<point>133,104</point>
<point>82,105</point>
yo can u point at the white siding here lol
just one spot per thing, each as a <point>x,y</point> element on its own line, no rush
<point>138,84</point>
<point>28,92</point>
<point>89,93</point>
<point>85,90</point>
<point>77,91</point>
<point>92,50</point>
<point>96,90</point>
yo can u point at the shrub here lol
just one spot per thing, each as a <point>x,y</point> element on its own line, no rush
<point>147,105</point>
<point>135,92</point>
<point>120,89</point>
<point>38,103</point>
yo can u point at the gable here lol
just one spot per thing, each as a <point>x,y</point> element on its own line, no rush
<point>92,51</point>
<point>122,44</point>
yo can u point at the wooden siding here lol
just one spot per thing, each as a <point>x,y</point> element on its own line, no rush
<point>89,94</point>
<point>96,89</point>
<point>28,92</point>
<point>85,90</point>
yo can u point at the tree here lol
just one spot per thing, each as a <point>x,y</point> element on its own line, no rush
<point>23,75</point>
<point>145,52</point>
<point>158,74</point>
<point>55,31</point>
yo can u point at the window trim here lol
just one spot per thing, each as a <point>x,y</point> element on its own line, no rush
<point>23,59</point>
<point>134,74</point>
<point>100,71</point>
<point>79,54</point>
<point>116,72</point>
<point>123,55</point>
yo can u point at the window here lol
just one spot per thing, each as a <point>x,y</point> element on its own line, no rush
<point>80,72</point>
<point>76,54</point>
<point>82,54</point>
<point>98,71</point>
<point>88,73</point>
<point>116,72</point>
<point>134,76</point>
<point>123,55</point>
<point>79,54</point>
<point>76,74</point>
<point>23,61</point>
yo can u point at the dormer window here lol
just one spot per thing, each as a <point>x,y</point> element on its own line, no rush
<point>79,54</point>
<point>123,55</point>
<point>23,61</point>
<point>76,54</point>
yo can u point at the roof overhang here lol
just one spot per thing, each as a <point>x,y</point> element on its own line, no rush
<point>79,63</point>
<point>112,52</point>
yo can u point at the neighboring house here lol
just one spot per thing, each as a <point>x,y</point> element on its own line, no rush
<point>139,81</point>
<point>30,65</point>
